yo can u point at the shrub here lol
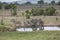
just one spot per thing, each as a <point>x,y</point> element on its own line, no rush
<point>2,28</point>
<point>28,13</point>
<point>47,12</point>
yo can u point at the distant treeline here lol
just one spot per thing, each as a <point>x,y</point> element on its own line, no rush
<point>41,2</point>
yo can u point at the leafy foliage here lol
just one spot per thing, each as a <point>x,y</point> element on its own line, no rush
<point>28,3</point>
<point>1,5</point>
<point>58,3</point>
<point>37,12</point>
<point>13,7</point>
<point>53,2</point>
<point>41,2</point>
<point>7,6</point>
<point>2,28</point>
<point>48,11</point>
<point>27,14</point>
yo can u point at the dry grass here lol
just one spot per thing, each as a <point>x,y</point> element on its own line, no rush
<point>46,19</point>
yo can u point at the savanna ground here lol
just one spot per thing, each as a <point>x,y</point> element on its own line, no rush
<point>10,24</point>
<point>46,19</point>
<point>37,35</point>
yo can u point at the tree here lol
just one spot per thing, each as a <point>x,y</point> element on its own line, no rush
<point>37,12</point>
<point>41,2</point>
<point>50,11</point>
<point>14,12</point>
<point>2,21</point>
<point>27,14</point>
<point>53,2</point>
<point>4,4</point>
<point>7,6</point>
<point>32,10</point>
<point>28,3</point>
<point>13,8</point>
<point>16,3</point>
<point>41,12</point>
<point>23,17</point>
<point>58,3</point>
<point>1,5</point>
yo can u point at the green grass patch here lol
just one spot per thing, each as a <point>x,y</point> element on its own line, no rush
<point>37,35</point>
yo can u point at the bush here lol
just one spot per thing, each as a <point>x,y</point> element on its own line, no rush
<point>2,28</point>
<point>47,12</point>
<point>37,12</point>
<point>50,11</point>
<point>14,12</point>
<point>28,13</point>
<point>11,27</point>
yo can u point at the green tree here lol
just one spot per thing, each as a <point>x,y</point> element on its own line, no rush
<point>58,3</point>
<point>37,12</point>
<point>32,11</point>
<point>7,6</point>
<point>53,2</point>
<point>41,2</point>
<point>28,13</point>
<point>23,17</point>
<point>13,8</point>
<point>50,11</point>
<point>28,3</point>
<point>16,3</point>
<point>1,5</point>
<point>2,23</point>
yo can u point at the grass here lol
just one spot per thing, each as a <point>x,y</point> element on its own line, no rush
<point>48,20</point>
<point>38,35</point>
